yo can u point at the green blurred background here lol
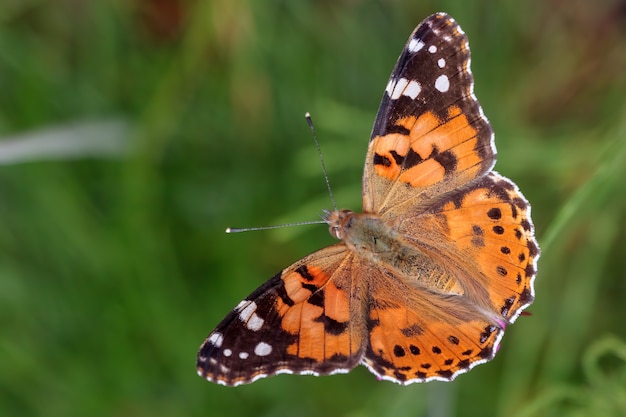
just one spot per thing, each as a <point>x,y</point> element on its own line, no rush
<point>134,132</point>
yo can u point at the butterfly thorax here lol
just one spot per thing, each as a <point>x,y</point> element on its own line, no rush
<point>371,238</point>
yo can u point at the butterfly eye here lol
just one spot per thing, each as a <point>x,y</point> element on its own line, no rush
<point>336,232</point>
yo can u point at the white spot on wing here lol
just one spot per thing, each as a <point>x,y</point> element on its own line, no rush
<point>432,49</point>
<point>412,89</point>
<point>243,355</point>
<point>441,62</point>
<point>262,349</point>
<point>248,315</point>
<point>442,83</point>
<point>216,339</point>
<point>415,45</point>
<point>227,352</point>
<point>245,314</point>
<point>398,88</point>
<point>255,323</point>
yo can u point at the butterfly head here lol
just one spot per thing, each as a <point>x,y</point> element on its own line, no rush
<point>338,221</point>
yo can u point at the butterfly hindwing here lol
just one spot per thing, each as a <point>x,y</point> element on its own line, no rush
<point>417,334</point>
<point>297,322</point>
<point>486,233</point>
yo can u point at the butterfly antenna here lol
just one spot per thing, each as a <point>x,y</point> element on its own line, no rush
<point>307,116</point>
<point>309,121</point>
<point>250,229</point>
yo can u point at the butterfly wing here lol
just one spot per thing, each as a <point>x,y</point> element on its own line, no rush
<point>417,334</point>
<point>485,233</point>
<point>430,135</point>
<point>482,257</point>
<point>305,320</point>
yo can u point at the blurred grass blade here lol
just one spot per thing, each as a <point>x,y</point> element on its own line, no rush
<point>93,139</point>
<point>611,161</point>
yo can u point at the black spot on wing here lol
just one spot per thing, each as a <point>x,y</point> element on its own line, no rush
<point>398,129</point>
<point>317,298</point>
<point>412,158</point>
<point>331,325</point>
<point>453,339</point>
<point>485,335</point>
<point>446,374</point>
<point>382,160</point>
<point>412,330</point>
<point>526,296</point>
<point>464,364</point>
<point>498,230</point>
<point>399,159</point>
<point>304,273</point>
<point>486,353</point>
<point>446,159</point>
<point>520,203</point>
<point>507,306</point>
<point>478,233</point>
<point>533,249</point>
<point>399,351</point>
<point>494,213</point>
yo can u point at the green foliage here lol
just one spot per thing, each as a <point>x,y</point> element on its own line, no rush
<point>114,266</point>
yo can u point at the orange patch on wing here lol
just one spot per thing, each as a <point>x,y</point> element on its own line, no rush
<point>336,303</point>
<point>319,276</point>
<point>303,318</point>
<point>387,334</point>
<point>314,344</point>
<point>424,174</point>
<point>339,345</point>
<point>427,132</point>
<point>424,133</point>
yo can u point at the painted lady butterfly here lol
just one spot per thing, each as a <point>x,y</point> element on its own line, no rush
<point>426,278</point>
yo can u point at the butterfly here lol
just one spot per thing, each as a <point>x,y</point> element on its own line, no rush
<point>425,279</point>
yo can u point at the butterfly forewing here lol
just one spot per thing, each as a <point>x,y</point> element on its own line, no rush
<point>430,132</point>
